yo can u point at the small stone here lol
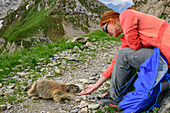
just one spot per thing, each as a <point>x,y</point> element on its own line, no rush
<point>42,112</point>
<point>85,81</point>
<point>71,58</point>
<point>41,59</point>
<point>90,96</point>
<point>94,74</point>
<point>76,48</point>
<point>49,75</point>
<point>9,92</point>
<point>88,44</point>
<point>84,110</point>
<point>78,100</point>
<point>1,93</point>
<point>42,69</point>
<point>74,110</point>
<point>11,86</point>
<point>93,106</point>
<point>9,106</point>
<point>3,107</point>
<point>83,104</point>
<point>57,70</point>
<point>22,74</point>
<point>62,111</point>
<point>92,78</point>
<point>17,66</point>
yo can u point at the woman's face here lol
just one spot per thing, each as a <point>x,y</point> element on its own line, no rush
<point>114,29</point>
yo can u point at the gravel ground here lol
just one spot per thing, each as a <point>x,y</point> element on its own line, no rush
<point>82,74</point>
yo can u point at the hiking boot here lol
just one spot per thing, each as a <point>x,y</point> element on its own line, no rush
<point>106,100</point>
<point>107,96</point>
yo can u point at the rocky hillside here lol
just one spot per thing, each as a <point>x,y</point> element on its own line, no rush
<point>158,8</point>
<point>21,19</point>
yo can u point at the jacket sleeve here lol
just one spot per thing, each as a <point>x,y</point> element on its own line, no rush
<point>129,24</point>
<point>108,72</point>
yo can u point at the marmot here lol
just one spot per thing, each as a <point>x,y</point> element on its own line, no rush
<point>48,89</point>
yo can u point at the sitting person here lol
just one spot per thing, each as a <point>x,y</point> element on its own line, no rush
<point>142,33</point>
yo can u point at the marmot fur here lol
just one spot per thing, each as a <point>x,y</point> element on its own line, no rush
<point>48,89</point>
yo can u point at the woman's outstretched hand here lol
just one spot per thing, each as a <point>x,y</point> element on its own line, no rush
<point>89,89</point>
<point>93,87</point>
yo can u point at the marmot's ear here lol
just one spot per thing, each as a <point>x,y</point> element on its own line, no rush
<point>27,88</point>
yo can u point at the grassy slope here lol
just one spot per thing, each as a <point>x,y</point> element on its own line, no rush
<point>30,23</point>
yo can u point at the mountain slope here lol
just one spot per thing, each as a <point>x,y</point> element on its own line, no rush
<point>52,18</point>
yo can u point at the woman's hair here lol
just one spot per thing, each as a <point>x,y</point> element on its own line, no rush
<point>109,16</point>
<point>132,7</point>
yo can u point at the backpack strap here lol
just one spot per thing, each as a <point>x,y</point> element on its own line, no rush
<point>126,86</point>
<point>169,83</point>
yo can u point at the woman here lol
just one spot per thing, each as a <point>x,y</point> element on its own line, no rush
<point>142,33</point>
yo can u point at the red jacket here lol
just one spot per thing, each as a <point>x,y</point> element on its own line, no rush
<point>142,31</point>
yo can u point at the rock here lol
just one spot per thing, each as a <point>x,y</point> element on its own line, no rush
<point>90,97</point>
<point>165,104</point>
<point>84,110</point>
<point>1,92</point>
<point>76,48</point>
<point>11,47</point>
<point>42,69</point>
<point>11,86</point>
<point>7,6</point>
<point>9,106</point>
<point>85,81</point>
<point>62,111</point>
<point>57,70</point>
<point>9,92</point>
<point>152,7</point>
<point>45,39</point>
<point>74,110</point>
<point>49,75</point>
<point>70,58</point>
<point>22,74</point>
<point>93,106</point>
<point>78,100</point>
<point>3,107</point>
<point>88,44</point>
<point>83,104</point>
<point>2,42</point>
<point>42,112</point>
<point>79,40</point>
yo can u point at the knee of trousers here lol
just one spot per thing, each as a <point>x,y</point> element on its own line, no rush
<point>122,55</point>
